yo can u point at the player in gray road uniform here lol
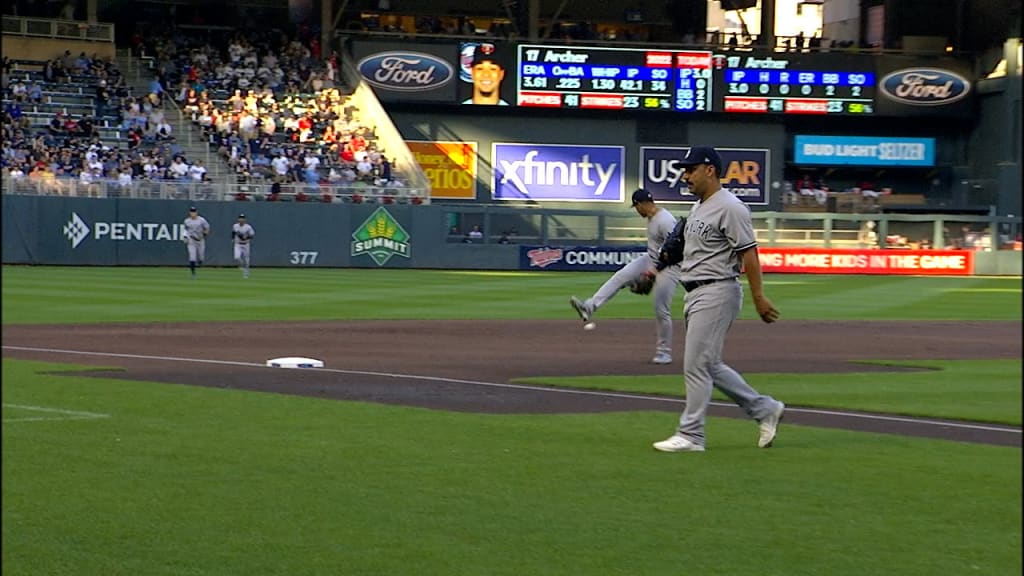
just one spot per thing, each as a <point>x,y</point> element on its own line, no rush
<point>659,224</point>
<point>719,243</point>
<point>241,234</point>
<point>196,230</point>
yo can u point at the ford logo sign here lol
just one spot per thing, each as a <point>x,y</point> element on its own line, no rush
<point>925,86</point>
<point>405,71</point>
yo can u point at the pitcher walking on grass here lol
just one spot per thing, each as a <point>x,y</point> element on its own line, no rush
<point>719,242</point>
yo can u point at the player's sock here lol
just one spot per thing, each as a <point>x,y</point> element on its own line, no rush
<point>192,266</point>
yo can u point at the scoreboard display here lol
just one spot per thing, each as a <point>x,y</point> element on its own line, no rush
<point>793,84</point>
<point>693,80</point>
<point>613,78</point>
<point>673,80</point>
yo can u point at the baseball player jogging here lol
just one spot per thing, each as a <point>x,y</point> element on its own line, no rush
<point>196,230</point>
<point>635,275</point>
<point>241,235</point>
<point>717,243</point>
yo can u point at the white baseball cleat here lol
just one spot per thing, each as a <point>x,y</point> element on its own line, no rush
<point>661,358</point>
<point>770,427</point>
<point>580,307</point>
<point>677,443</point>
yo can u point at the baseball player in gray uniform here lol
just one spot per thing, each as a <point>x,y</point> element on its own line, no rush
<point>719,242</point>
<point>659,224</point>
<point>241,234</point>
<point>196,230</point>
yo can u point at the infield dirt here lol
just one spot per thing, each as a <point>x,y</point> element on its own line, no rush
<point>466,365</point>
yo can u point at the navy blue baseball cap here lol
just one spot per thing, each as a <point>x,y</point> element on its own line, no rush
<point>703,155</point>
<point>192,209</point>
<point>242,215</point>
<point>642,195</point>
<point>484,52</point>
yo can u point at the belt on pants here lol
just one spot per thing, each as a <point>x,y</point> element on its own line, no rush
<point>694,284</point>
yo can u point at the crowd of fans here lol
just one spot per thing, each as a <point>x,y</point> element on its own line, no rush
<point>55,114</point>
<point>268,105</point>
<point>272,109</point>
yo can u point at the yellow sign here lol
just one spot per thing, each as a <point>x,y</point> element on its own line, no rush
<point>450,166</point>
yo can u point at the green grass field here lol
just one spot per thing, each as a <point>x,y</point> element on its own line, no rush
<point>112,477</point>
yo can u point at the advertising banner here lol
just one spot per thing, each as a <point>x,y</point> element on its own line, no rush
<point>745,173</point>
<point>577,258</point>
<point>924,87</point>
<point>402,72</point>
<point>891,262</point>
<point>552,172</point>
<point>864,151</point>
<point>450,167</point>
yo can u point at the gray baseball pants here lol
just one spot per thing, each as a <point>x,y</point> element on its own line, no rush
<point>196,250</point>
<point>664,290</point>
<point>708,314</point>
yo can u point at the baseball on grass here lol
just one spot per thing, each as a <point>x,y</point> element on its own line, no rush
<point>589,326</point>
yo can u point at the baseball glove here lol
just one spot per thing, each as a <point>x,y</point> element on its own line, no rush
<point>672,250</point>
<point>642,285</point>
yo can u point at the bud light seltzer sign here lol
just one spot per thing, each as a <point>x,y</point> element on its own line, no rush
<point>744,173</point>
<point>408,71</point>
<point>551,172</point>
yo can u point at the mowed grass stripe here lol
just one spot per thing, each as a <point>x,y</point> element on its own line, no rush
<point>152,294</point>
<point>292,485</point>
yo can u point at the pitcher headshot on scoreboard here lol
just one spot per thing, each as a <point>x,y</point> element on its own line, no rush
<point>484,70</point>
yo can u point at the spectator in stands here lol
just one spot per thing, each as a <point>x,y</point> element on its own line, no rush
<point>163,131</point>
<point>197,171</point>
<point>156,91</point>
<point>384,170</point>
<point>808,188</point>
<point>281,166</point>
<point>67,64</point>
<point>19,92</point>
<point>35,93</point>
<point>124,178</point>
<point>178,169</point>
<point>364,170</point>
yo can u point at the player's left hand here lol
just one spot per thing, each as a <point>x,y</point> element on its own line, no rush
<point>766,310</point>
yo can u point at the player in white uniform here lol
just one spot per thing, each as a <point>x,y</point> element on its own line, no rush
<point>242,234</point>
<point>196,231</point>
<point>659,225</point>
<point>719,243</point>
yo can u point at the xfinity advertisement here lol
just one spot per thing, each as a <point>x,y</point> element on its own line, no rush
<point>551,172</point>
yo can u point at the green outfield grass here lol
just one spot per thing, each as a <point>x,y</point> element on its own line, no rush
<point>187,480</point>
<point>110,477</point>
<point>61,295</point>
<point>981,390</point>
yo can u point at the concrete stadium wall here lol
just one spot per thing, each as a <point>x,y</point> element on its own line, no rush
<point>22,48</point>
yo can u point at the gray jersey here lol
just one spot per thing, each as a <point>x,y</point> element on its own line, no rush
<point>716,231</point>
<point>659,227</point>
<point>196,228</point>
<point>242,233</point>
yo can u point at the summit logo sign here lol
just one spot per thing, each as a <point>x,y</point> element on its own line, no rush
<point>380,237</point>
<point>565,173</point>
<point>76,230</point>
